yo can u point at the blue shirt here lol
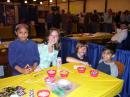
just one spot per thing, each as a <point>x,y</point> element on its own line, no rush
<point>47,58</point>
<point>108,68</point>
<point>22,53</point>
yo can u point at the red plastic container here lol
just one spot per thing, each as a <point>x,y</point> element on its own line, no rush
<point>51,73</point>
<point>81,69</point>
<point>94,73</point>
<point>43,93</point>
<point>64,73</point>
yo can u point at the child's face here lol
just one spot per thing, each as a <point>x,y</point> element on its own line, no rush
<point>82,50</point>
<point>53,37</point>
<point>123,26</point>
<point>107,55</point>
<point>22,34</point>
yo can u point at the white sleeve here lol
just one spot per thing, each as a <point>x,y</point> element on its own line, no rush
<point>114,70</point>
<point>124,35</point>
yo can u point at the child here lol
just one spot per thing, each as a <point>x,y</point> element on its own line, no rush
<point>80,55</point>
<point>23,53</point>
<point>49,51</point>
<point>106,64</point>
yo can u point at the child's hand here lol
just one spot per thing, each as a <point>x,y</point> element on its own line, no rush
<point>29,68</point>
<point>85,63</point>
<point>26,71</point>
<point>37,69</point>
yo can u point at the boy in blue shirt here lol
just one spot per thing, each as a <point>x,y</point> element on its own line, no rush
<point>23,53</point>
<point>106,64</point>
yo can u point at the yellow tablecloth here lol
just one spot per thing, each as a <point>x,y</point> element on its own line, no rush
<point>101,86</point>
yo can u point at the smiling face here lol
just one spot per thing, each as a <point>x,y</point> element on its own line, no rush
<point>53,37</point>
<point>82,51</point>
<point>22,34</point>
<point>107,55</point>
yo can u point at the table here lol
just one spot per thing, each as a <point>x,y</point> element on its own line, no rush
<point>7,32</point>
<point>91,37</point>
<point>101,86</point>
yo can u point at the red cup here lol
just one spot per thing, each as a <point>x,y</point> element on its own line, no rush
<point>43,93</point>
<point>64,73</point>
<point>93,73</point>
<point>81,69</point>
<point>51,73</point>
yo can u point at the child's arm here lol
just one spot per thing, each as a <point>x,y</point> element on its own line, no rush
<point>34,66</point>
<point>71,59</point>
<point>22,70</point>
<point>54,61</point>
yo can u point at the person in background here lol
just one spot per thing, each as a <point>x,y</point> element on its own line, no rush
<point>63,20</point>
<point>32,23</point>
<point>49,20</point>
<point>80,55</point>
<point>123,17</point>
<point>56,19</point>
<point>49,51</point>
<point>95,22</point>
<point>80,26</point>
<point>23,53</point>
<point>68,23</point>
<point>108,21</point>
<point>128,18</point>
<point>121,34</point>
<point>106,64</point>
<point>117,18</point>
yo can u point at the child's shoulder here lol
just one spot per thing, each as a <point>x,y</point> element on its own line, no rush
<point>100,61</point>
<point>42,45</point>
<point>13,43</point>
<point>31,41</point>
<point>113,64</point>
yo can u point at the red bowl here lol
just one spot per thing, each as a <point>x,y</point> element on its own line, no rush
<point>43,93</point>
<point>94,73</point>
<point>64,73</point>
<point>51,73</point>
<point>81,69</point>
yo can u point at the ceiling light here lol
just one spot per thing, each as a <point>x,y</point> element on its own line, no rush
<point>25,1</point>
<point>8,1</point>
<point>51,0</point>
<point>41,2</point>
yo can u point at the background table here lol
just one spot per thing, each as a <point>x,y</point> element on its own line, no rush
<point>91,37</point>
<point>6,43</point>
<point>101,86</point>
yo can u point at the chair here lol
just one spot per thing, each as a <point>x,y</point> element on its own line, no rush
<point>5,69</point>
<point>120,68</point>
<point>68,47</point>
<point>123,56</point>
<point>33,31</point>
<point>125,44</point>
<point>94,53</point>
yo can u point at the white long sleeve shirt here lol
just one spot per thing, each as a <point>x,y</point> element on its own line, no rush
<point>120,35</point>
